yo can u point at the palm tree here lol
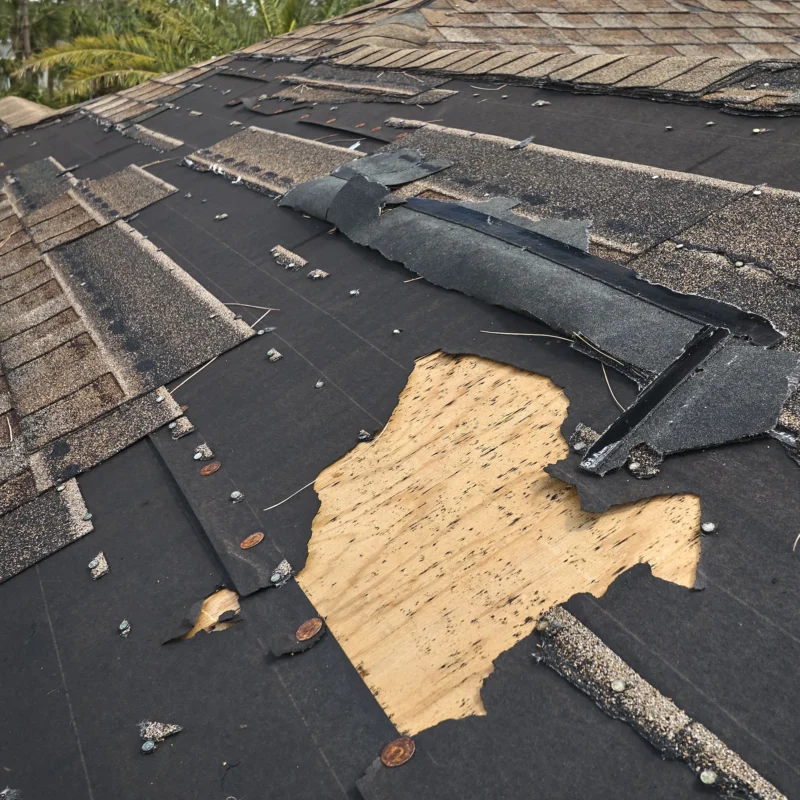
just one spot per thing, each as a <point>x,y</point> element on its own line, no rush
<point>119,43</point>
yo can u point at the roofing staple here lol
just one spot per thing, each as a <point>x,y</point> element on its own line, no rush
<point>574,652</point>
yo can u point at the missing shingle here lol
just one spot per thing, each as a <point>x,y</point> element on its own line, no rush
<point>477,542</point>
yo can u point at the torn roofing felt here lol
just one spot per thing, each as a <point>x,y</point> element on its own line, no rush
<point>94,320</point>
<point>640,328</point>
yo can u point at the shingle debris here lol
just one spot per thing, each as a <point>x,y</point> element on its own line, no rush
<point>575,653</point>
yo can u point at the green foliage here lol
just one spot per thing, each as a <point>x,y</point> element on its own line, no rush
<point>92,47</point>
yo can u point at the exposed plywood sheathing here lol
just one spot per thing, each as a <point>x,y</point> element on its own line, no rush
<point>214,606</point>
<point>438,545</point>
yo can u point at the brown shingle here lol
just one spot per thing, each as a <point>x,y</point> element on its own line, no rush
<point>675,36</point>
<point>619,70</point>
<point>487,67</point>
<point>612,37</point>
<point>568,20</point>
<point>706,50</point>
<point>644,6</point>
<point>526,62</point>
<point>579,68</point>
<point>453,18</point>
<point>762,51</point>
<point>663,71</point>
<point>622,21</point>
<point>452,57</point>
<point>678,21</point>
<point>717,20</point>
<point>551,65</point>
<point>703,76</point>
<point>719,35</point>
<point>768,36</point>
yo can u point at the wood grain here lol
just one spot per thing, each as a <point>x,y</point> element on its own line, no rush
<point>437,545</point>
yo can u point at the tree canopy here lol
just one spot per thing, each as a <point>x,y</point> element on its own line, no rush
<point>91,47</point>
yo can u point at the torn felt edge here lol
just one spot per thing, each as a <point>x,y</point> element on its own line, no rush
<point>574,652</point>
<point>192,615</point>
<point>707,341</point>
<point>694,307</point>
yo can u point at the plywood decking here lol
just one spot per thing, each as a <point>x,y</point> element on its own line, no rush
<point>438,545</point>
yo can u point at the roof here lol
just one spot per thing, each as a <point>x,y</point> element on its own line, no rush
<point>752,29</point>
<point>393,420</point>
<point>17,112</point>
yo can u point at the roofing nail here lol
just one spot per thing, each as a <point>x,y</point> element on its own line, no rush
<point>319,384</point>
<point>364,436</point>
<point>159,398</point>
<point>739,263</point>
<point>540,103</point>
<point>756,192</point>
<point>172,426</point>
<point>149,746</point>
<point>93,563</point>
<point>236,497</point>
<point>60,487</point>
<point>634,465</point>
<point>354,293</point>
<point>124,628</point>
<point>221,216</point>
<point>87,516</point>
<point>708,776</point>
<point>275,577</point>
<point>618,685</point>
<point>679,247</point>
<point>195,113</point>
<point>668,128</point>
<point>708,527</point>
<point>710,124</point>
<point>188,195</point>
<point>761,130</point>
<point>396,331</point>
<point>504,97</point>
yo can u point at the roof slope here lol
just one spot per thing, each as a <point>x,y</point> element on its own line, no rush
<point>695,28</point>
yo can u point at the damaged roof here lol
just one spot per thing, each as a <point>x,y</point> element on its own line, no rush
<point>408,407</point>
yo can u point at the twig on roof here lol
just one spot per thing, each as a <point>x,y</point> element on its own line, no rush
<point>411,280</point>
<point>608,383</point>
<point>543,335</point>
<point>163,161</point>
<point>794,546</point>
<point>414,77</point>
<point>247,305</point>
<point>11,433</point>
<point>291,495</point>
<point>5,241</point>
<point>488,89</point>
<point>196,372</point>
<point>261,317</point>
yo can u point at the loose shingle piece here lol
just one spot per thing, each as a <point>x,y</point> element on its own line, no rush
<point>675,346</point>
<point>270,161</point>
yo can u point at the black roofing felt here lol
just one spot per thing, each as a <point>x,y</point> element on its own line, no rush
<point>727,655</point>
